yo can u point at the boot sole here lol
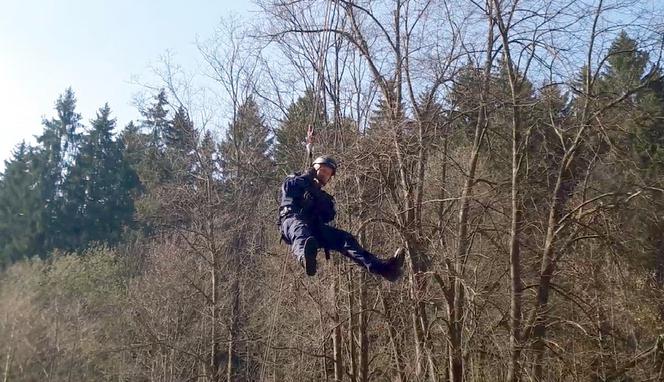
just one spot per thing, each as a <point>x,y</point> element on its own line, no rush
<point>310,250</point>
<point>397,265</point>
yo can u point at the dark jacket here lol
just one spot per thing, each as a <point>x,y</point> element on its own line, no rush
<point>301,195</point>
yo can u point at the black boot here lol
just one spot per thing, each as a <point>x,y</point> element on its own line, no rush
<point>308,261</point>
<point>393,268</point>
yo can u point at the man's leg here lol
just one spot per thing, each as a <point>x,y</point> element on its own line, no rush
<point>303,242</point>
<point>342,241</point>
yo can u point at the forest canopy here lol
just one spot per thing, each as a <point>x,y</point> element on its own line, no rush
<point>514,148</point>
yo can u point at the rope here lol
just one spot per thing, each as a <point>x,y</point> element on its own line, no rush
<point>322,58</point>
<point>320,80</point>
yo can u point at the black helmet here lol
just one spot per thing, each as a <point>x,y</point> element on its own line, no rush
<point>327,161</point>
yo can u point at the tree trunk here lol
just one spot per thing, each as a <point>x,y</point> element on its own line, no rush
<point>215,349</point>
<point>516,288</point>
<point>539,330</point>
<point>336,344</point>
<point>456,269</point>
<point>235,306</point>
<point>425,364</point>
<point>8,357</point>
<point>396,349</point>
<point>352,327</point>
<point>364,339</point>
<point>455,314</point>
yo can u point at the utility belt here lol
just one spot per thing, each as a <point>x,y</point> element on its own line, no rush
<point>287,210</point>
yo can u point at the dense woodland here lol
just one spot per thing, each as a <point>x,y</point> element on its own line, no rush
<point>514,148</point>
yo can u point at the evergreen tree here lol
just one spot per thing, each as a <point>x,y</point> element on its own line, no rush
<point>152,169</point>
<point>53,162</point>
<point>21,208</point>
<point>180,141</point>
<point>245,151</point>
<point>290,150</point>
<point>207,166</point>
<point>156,120</point>
<point>635,126</point>
<point>97,191</point>
<point>635,133</point>
<point>463,103</point>
<point>383,117</point>
<point>180,133</point>
<point>134,143</point>
<point>60,137</point>
<point>642,113</point>
<point>109,180</point>
<point>626,65</point>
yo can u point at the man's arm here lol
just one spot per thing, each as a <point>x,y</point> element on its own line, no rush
<point>326,211</point>
<point>293,192</point>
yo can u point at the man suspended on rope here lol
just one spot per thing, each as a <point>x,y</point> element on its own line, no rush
<point>304,213</point>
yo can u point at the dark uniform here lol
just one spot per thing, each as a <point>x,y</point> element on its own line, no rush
<point>304,213</point>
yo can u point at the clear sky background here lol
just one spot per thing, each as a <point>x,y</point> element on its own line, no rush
<point>94,46</point>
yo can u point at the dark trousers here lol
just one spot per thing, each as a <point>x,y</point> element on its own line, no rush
<point>296,231</point>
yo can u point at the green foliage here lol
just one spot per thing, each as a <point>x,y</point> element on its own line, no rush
<point>636,124</point>
<point>71,190</point>
<point>64,313</point>
<point>464,103</point>
<point>245,152</point>
<point>181,141</point>
<point>93,277</point>
<point>34,186</point>
<point>156,120</point>
<point>212,278</point>
<point>102,185</point>
<point>54,161</point>
<point>633,155</point>
<point>22,226</point>
<point>151,166</point>
<point>290,150</point>
<point>626,65</point>
<point>180,134</point>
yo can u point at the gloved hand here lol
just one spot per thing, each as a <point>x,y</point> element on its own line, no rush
<point>325,207</point>
<point>308,204</point>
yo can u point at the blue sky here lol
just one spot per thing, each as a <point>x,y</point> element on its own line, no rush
<point>94,46</point>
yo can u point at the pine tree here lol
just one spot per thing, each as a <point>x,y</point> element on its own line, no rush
<point>634,127</point>
<point>290,151</point>
<point>245,151</point>
<point>383,117</point>
<point>626,65</point>
<point>21,209</point>
<point>134,143</point>
<point>180,141</point>
<point>634,133</point>
<point>61,136</point>
<point>156,120</point>
<point>110,182</point>
<point>53,162</point>
<point>152,169</point>
<point>97,191</point>
<point>208,163</point>
<point>180,133</point>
